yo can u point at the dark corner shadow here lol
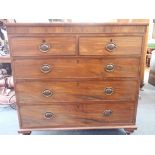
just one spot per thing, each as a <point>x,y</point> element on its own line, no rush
<point>82,132</point>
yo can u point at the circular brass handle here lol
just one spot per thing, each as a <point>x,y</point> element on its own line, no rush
<point>44,47</point>
<point>107,113</point>
<point>108,91</point>
<point>109,68</point>
<point>48,115</point>
<point>47,93</point>
<point>45,68</point>
<point>110,46</point>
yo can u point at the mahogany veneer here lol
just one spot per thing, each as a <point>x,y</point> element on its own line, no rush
<point>77,76</point>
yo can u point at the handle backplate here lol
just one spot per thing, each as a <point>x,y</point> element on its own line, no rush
<point>107,112</point>
<point>109,68</point>
<point>110,46</point>
<point>47,93</point>
<point>49,115</point>
<point>44,47</point>
<point>45,68</point>
<point>108,91</point>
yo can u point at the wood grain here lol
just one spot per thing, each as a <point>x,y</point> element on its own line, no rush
<point>30,46</point>
<point>86,28</point>
<point>78,78</point>
<point>96,45</point>
<point>31,92</point>
<point>77,115</point>
<point>75,68</point>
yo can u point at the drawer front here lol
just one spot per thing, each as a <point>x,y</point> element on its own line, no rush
<point>77,115</point>
<point>40,46</point>
<point>76,68</point>
<point>110,45</point>
<point>38,92</point>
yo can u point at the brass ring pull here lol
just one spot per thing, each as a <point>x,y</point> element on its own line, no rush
<point>45,68</point>
<point>49,115</point>
<point>110,46</point>
<point>47,93</point>
<point>107,113</point>
<point>109,68</point>
<point>108,91</point>
<point>44,47</point>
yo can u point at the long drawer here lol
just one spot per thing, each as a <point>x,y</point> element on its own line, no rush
<point>110,45</point>
<point>76,68</point>
<point>39,92</point>
<point>77,115</point>
<point>41,46</point>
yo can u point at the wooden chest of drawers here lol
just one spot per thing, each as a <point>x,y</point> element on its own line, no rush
<point>77,76</point>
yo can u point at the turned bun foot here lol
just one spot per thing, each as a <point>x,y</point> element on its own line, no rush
<point>24,132</point>
<point>129,130</point>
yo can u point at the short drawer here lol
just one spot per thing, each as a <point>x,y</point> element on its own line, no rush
<point>77,115</point>
<point>38,92</point>
<point>75,68</point>
<point>110,45</point>
<point>40,46</point>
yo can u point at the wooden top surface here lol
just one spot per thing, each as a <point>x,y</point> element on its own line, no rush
<point>77,24</point>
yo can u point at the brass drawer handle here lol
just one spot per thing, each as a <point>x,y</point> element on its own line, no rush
<point>108,91</point>
<point>110,46</point>
<point>45,68</point>
<point>44,47</point>
<point>107,113</point>
<point>47,93</point>
<point>109,68</point>
<point>49,115</point>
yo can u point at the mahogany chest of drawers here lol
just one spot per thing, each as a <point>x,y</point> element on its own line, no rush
<point>77,76</point>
